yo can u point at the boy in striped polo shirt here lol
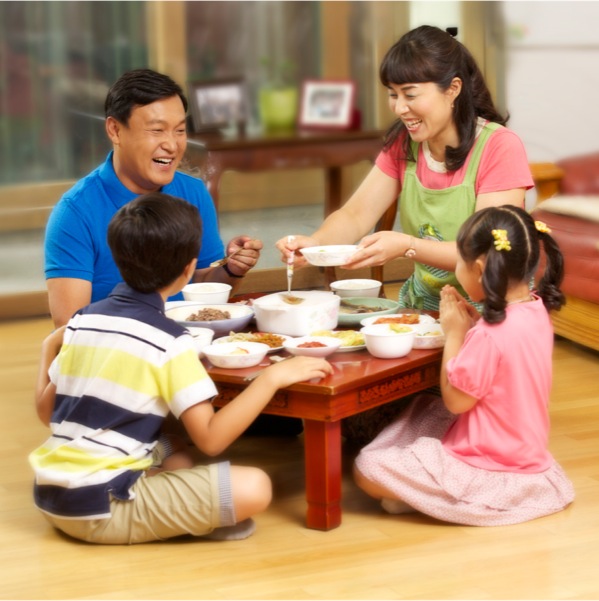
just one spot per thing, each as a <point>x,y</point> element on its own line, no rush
<point>110,377</point>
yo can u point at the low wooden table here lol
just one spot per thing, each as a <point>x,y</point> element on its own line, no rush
<point>359,382</point>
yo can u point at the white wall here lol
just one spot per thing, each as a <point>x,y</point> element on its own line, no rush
<point>552,76</point>
<point>440,14</point>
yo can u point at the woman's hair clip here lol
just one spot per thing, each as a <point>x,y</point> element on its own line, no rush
<point>542,227</point>
<point>501,241</point>
<point>452,31</point>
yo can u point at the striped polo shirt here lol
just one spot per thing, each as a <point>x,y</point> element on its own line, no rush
<point>122,367</point>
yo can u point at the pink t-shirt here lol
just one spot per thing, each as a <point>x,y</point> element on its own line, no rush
<point>508,368</point>
<point>503,166</point>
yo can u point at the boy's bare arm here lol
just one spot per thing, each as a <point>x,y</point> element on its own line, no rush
<point>212,432</point>
<point>45,391</point>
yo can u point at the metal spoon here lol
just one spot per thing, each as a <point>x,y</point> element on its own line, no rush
<point>290,298</point>
<point>224,261</point>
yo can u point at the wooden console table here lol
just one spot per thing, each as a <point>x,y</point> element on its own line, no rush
<point>215,153</point>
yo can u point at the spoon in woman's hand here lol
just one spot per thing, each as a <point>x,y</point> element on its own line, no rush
<point>290,298</point>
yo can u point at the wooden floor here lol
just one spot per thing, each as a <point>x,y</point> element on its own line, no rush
<point>371,556</point>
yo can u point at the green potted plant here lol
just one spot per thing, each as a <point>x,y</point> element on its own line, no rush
<point>278,95</point>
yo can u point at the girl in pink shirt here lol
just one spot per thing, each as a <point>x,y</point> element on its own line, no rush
<point>479,455</point>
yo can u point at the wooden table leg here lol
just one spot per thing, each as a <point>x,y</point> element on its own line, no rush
<point>322,449</point>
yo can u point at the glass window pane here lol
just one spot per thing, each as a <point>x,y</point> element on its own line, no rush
<point>57,60</point>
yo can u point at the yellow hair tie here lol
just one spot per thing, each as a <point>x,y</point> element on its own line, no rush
<point>542,227</point>
<point>501,241</point>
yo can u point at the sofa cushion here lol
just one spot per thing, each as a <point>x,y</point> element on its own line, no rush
<point>581,174</point>
<point>578,239</point>
<point>585,207</point>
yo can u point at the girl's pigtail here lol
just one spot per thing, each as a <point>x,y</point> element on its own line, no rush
<point>494,283</point>
<point>549,285</point>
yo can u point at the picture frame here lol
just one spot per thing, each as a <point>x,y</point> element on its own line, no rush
<point>216,104</point>
<point>327,104</point>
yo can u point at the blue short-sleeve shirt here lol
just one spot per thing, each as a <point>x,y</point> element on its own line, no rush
<point>76,235</point>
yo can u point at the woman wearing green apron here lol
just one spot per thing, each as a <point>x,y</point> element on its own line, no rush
<point>437,215</point>
<point>447,155</point>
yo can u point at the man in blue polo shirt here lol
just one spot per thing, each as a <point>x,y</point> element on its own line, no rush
<point>146,123</point>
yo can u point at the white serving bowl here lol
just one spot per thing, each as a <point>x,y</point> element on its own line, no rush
<point>318,311</point>
<point>207,293</point>
<point>384,342</point>
<point>202,337</point>
<point>329,256</point>
<point>346,288</point>
<point>293,346</point>
<point>228,355</point>
<point>241,316</point>
<point>429,335</point>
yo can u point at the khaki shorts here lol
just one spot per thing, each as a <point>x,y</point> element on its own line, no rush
<point>187,501</point>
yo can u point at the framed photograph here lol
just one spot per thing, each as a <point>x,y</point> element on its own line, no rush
<point>216,104</point>
<point>327,104</point>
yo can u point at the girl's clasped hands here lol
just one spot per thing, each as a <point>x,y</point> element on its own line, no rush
<point>456,315</point>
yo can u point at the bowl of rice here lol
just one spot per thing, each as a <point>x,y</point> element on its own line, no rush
<point>356,287</point>
<point>207,293</point>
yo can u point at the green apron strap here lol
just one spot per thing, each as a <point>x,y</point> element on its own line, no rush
<point>479,145</point>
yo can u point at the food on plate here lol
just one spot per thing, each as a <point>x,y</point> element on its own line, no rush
<point>239,351</point>
<point>399,328</point>
<point>431,333</point>
<point>311,344</point>
<point>409,318</point>
<point>272,340</point>
<point>347,337</point>
<point>209,314</point>
<point>352,308</point>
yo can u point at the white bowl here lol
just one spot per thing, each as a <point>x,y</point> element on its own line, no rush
<point>429,335</point>
<point>345,288</point>
<point>207,292</point>
<point>318,311</point>
<point>385,342</point>
<point>329,256</point>
<point>240,316</point>
<point>293,346</point>
<point>230,355</point>
<point>202,337</point>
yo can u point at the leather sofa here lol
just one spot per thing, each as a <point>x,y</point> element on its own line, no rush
<point>568,202</point>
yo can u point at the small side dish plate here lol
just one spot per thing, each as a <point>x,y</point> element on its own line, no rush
<point>351,340</point>
<point>405,318</point>
<point>429,335</point>
<point>312,346</point>
<point>353,309</point>
<point>264,337</point>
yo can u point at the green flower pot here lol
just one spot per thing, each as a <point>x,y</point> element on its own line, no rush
<point>278,107</point>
